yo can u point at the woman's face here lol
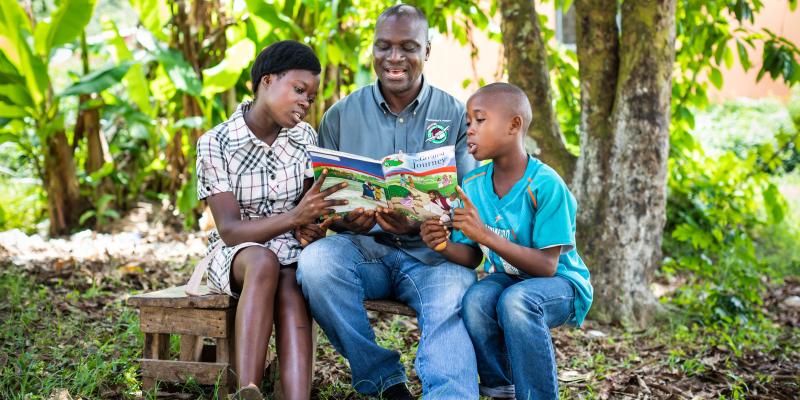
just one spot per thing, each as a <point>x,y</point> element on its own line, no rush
<point>288,95</point>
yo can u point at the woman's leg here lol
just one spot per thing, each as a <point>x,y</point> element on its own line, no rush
<point>293,337</point>
<point>526,312</point>
<point>255,276</point>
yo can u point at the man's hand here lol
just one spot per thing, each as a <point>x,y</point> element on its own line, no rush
<point>434,234</point>
<point>358,221</point>
<point>310,233</point>
<point>469,221</point>
<point>394,222</point>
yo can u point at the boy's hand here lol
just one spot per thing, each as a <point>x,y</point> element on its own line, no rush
<point>434,234</point>
<point>315,204</point>
<point>310,233</point>
<point>468,220</point>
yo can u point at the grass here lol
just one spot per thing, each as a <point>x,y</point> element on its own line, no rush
<point>49,345</point>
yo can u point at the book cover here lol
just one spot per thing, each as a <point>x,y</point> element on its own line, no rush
<point>419,185</point>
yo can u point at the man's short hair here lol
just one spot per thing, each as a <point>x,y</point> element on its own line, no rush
<point>405,10</point>
<point>282,56</point>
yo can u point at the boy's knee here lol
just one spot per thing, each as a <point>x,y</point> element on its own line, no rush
<point>517,307</point>
<point>477,303</point>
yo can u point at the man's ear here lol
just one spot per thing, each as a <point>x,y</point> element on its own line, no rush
<point>515,125</point>
<point>427,50</point>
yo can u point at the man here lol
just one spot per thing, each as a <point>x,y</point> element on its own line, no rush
<point>380,254</point>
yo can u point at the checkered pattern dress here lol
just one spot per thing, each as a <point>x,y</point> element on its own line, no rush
<point>266,180</point>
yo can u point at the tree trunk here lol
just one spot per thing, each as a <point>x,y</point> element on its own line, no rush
<point>64,202</point>
<point>527,68</point>
<point>622,174</point>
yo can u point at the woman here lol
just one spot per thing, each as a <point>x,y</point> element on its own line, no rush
<point>255,174</point>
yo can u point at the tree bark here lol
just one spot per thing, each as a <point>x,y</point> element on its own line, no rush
<point>527,68</point>
<point>64,201</point>
<point>624,161</point>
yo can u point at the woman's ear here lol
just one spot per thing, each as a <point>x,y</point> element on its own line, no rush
<point>266,80</point>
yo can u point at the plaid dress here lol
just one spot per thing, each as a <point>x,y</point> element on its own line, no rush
<point>266,180</point>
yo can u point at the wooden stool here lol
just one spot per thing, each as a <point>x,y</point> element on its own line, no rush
<point>389,306</point>
<point>173,312</point>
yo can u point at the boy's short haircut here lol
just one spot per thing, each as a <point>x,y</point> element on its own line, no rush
<point>512,98</point>
<point>282,56</point>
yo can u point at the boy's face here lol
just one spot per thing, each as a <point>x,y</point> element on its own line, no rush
<point>488,128</point>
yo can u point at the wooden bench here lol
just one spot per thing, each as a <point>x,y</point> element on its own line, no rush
<point>172,312</point>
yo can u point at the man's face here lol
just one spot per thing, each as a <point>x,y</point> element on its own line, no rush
<point>399,51</point>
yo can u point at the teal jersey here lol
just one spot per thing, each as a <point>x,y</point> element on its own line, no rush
<point>538,212</point>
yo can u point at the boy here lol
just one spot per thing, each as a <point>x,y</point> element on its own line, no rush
<point>519,213</point>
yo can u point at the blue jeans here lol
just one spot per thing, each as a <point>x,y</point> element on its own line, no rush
<point>336,277</point>
<point>509,321</point>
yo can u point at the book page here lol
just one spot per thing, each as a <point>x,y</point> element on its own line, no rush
<point>422,185</point>
<point>364,176</point>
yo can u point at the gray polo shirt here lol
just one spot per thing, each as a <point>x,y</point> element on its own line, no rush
<point>363,124</point>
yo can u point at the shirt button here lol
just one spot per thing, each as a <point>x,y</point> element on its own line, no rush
<point>400,120</point>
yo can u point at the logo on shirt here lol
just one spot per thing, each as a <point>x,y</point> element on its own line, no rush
<point>436,131</point>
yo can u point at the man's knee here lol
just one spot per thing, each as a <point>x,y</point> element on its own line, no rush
<point>319,261</point>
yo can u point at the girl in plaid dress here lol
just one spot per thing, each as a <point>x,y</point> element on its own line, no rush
<point>255,174</point>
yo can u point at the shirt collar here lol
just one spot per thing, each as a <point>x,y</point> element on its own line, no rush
<point>376,92</point>
<point>240,134</point>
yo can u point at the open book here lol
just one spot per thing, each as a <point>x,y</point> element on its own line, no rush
<point>419,185</point>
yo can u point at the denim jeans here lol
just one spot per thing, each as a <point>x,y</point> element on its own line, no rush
<point>336,277</point>
<point>509,321</point>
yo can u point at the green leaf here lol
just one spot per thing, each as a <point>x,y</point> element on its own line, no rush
<point>154,15</point>
<point>16,52</point>
<point>180,72</point>
<point>224,75</point>
<point>135,80</point>
<point>774,203</point>
<point>744,57</point>
<point>716,78</point>
<point>18,94</point>
<point>64,25</point>
<point>11,111</point>
<point>85,216</point>
<point>99,80</point>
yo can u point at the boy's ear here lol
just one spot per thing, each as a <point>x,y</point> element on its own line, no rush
<point>516,125</point>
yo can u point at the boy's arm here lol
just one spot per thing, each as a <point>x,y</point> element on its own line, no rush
<point>532,261</point>
<point>435,235</point>
<point>463,254</point>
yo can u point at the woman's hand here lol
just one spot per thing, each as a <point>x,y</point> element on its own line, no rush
<point>314,203</point>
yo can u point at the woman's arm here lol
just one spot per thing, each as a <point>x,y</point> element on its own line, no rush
<point>234,230</point>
